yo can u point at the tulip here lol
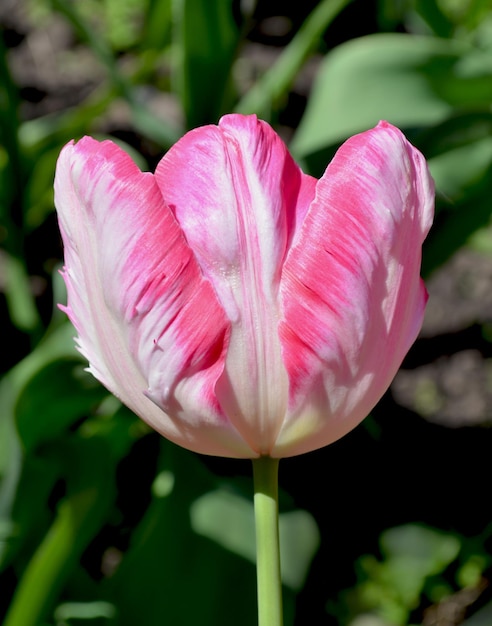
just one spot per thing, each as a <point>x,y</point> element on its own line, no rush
<point>239,306</point>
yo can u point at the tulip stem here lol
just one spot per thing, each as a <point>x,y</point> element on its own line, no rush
<point>265,473</point>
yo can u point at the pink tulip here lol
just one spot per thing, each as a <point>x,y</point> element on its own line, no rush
<point>237,305</point>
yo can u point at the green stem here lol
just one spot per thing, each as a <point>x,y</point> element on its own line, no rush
<point>265,473</point>
<point>277,80</point>
<point>44,576</point>
<point>79,517</point>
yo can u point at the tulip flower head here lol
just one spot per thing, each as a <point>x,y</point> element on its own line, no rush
<point>237,305</point>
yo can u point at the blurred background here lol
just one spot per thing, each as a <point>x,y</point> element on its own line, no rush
<point>104,523</point>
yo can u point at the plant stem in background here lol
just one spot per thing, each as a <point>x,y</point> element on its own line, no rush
<point>275,83</point>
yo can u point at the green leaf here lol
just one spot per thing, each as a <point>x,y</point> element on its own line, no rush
<point>198,580</point>
<point>54,399</point>
<point>299,542</point>
<point>157,28</point>
<point>228,520</point>
<point>194,575</point>
<point>459,153</point>
<point>84,611</point>
<point>57,344</point>
<point>12,164</point>
<point>273,86</point>
<point>31,514</point>
<point>423,15</point>
<point>435,18</point>
<point>50,133</point>
<point>412,555</point>
<point>34,479</point>
<point>431,550</point>
<point>39,189</point>
<point>13,174</point>
<point>124,19</point>
<point>457,223</point>
<point>410,81</point>
<point>462,129</point>
<point>90,493</point>
<point>459,171</point>
<point>206,40</point>
<point>19,295</point>
<point>145,121</point>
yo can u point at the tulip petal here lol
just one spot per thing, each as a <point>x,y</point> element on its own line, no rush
<point>148,321</point>
<point>237,305</point>
<point>352,297</point>
<point>239,197</point>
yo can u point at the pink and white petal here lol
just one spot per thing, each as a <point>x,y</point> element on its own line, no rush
<point>148,322</point>
<point>352,297</point>
<point>238,196</point>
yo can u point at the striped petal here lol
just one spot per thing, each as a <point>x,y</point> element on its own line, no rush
<point>238,196</point>
<point>237,305</point>
<point>148,321</point>
<point>352,298</point>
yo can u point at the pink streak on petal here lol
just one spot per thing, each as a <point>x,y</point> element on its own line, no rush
<point>238,196</point>
<point>148,322</point>
<point>352,298</point>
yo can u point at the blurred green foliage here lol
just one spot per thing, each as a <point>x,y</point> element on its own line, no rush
<point>101,521</point>
<point>415,563</point>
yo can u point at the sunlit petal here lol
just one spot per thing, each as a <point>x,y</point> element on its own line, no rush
<point>148,322</point>
<point>352,297</point>
<point>236,304</point>
<point>238,195</point>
